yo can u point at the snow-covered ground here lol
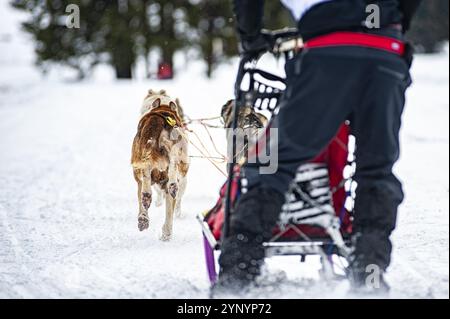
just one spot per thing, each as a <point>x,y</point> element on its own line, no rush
<point>68,208</point>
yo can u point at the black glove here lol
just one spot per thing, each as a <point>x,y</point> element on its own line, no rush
<point>253,47</point>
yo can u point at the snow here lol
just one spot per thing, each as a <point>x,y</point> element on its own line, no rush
<point>68,207</point>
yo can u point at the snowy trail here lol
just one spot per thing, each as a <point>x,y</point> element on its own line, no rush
<point>68,208</point>
<point>69,205</point>
<point>68,200</point>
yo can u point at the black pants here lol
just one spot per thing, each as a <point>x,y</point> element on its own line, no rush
<point>326,87</point>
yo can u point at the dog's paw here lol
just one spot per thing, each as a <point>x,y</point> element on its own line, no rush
<point>143,223</point>
<point>165,236</point>
<point>179,214</point>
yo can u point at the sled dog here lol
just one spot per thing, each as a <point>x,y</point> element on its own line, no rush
<point>249,121</point>
<point>160,158</point>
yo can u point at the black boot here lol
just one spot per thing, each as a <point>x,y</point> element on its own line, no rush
<point>375,219</point>
<point>240,263</point>
<point>369,262</point>
<point>251,224</point>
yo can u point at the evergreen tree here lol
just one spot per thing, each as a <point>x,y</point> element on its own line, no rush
<point>168,27</point>
<point>214,36</point>
<point>277,16</point>
<point>214,26</point>
<point>121,25</point>
<point>108,28</point>
<point>53,41</point>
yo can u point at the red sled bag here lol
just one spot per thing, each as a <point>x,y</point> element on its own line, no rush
<point>317,192</point>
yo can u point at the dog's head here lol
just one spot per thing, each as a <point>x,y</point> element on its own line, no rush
<point>249,121</point>
<point>155,99</point>
<point>248,118</point>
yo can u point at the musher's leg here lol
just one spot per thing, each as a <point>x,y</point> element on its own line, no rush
<point>376,124</point>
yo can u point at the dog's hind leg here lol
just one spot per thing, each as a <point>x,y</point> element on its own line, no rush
<point>159,196</point>
<point>168,224</point>
<point>143,221</point>
<point>145,200</point>
<point>178,211</point>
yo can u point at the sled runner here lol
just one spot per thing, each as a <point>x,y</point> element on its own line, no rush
<point>316,218</point>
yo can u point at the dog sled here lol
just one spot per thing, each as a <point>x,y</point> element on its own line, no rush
<point>316,219</point>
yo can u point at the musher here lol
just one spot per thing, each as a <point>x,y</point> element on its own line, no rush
<point>349,70</point>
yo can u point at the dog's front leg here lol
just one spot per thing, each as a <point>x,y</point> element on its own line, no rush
<point>168,224</point>
<point>145,200</point>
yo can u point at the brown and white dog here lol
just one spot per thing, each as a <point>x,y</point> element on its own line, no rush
<point>160,158</point>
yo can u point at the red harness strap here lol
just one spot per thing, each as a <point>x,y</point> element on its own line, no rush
<point>359,40</point>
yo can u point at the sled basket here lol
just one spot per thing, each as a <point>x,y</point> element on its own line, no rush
<point>317,199</point>
<point>314,220</point>
<point>265,90</point>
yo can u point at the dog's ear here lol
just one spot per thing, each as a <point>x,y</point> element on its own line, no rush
<point>223,112</point>
<point>180,110</point>
<point>156,103</point>
<point>226,109</point>
<point>173,106</point>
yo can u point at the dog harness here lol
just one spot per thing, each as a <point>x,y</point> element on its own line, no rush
<point>170,116</point>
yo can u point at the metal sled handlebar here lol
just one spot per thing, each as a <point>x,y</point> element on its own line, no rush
<point>238,96</point>
<point>282,41</point>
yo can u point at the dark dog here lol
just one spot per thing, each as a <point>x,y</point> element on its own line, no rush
<point>249,121</point>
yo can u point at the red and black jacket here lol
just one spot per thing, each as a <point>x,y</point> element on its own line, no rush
<point>330,16</point>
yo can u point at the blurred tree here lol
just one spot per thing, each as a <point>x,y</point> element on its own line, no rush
<point>168,27</point>
<point>214,28</point>
<point>430,28</point>
<point>213,31</point>
<point>119,31</point>
<point>277,16</point>
<point>121,25</point>
<point>53,42</point>
<point>110,31</point>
